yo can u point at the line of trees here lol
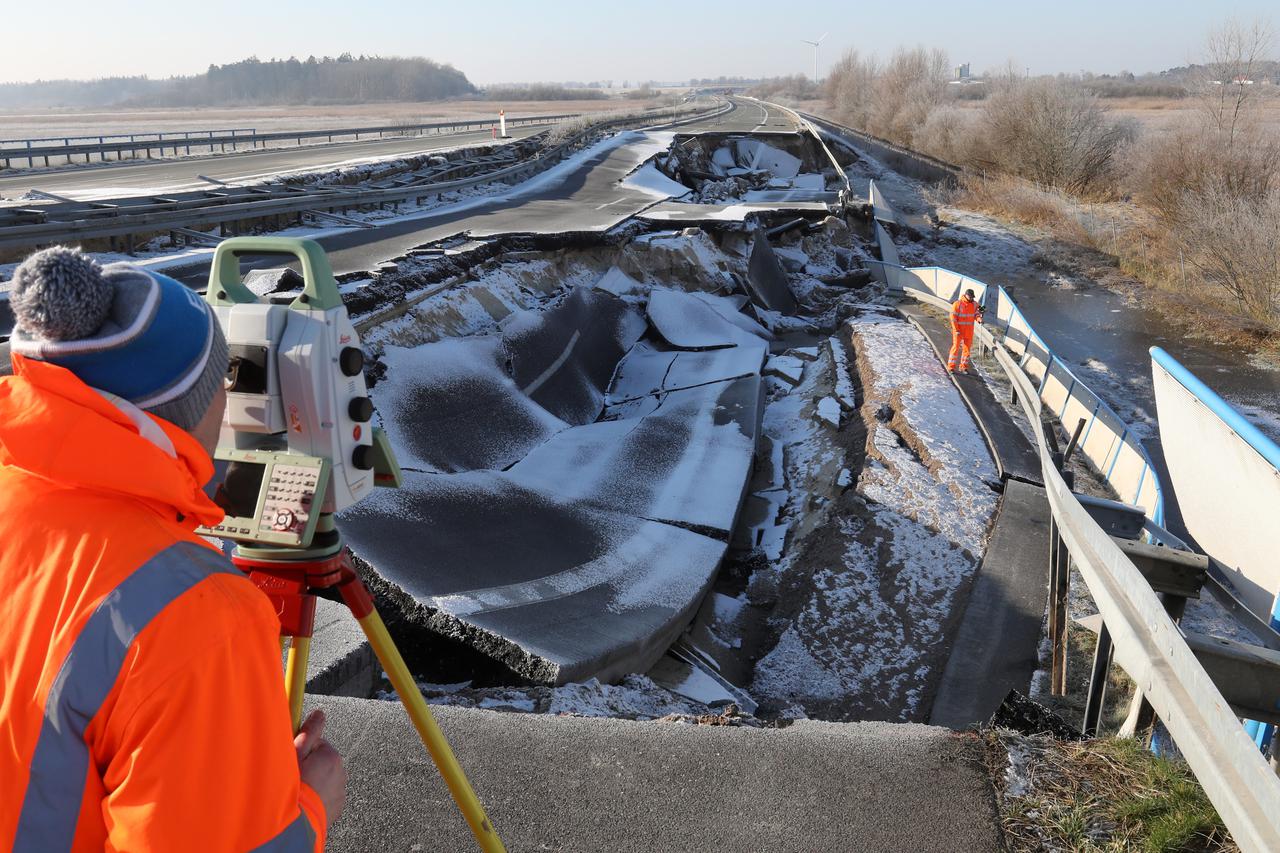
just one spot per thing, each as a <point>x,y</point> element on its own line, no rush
<point>542,92</point>
<point>335,80</point>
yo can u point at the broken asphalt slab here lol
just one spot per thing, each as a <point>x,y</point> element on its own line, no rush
<point>766,280</point>
<point>562,546</point>
<point>575,783</point>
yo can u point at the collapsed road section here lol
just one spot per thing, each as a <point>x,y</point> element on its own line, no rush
<point>569,486</point>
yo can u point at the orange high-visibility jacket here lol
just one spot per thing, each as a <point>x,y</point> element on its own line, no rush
<point>141,696</point>
<point>962,316</point>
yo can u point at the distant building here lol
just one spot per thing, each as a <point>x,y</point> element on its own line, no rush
<point>962,72</point>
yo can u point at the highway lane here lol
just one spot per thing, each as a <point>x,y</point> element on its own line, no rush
<point>747,117</point>
<point>580,195</point>
<point>168,176</point>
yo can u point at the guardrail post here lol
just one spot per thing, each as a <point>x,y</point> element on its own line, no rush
<point>1142,717</point>
<point>1097,683</point>
<point>1059,590</point>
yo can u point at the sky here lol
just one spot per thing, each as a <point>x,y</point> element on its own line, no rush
<point>497,41</point>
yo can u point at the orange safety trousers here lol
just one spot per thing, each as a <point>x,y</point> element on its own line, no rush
<point>963,316</point>
<point>142,701</point>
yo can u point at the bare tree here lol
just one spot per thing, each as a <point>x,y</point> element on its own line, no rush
<point>1233,243</point>
<point>1226,86</point>
<point>848,88</point>
<point>1053,132</point>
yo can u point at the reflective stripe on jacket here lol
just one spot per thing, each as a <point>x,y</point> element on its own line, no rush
<point>141,697</point>
<point>963,314</point>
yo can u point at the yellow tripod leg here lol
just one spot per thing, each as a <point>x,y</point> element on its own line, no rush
<point>295,677</point>
<point>432,737</point>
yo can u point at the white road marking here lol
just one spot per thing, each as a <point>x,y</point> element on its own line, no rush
<point>555,365</point>
<point>608,203</point>
<point>764,121</point>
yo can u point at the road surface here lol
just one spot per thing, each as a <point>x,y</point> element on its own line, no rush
<point>581,195</point>
<point>113,180</point>
<point>573,783</point>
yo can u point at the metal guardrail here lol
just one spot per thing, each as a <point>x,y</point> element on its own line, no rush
<point>928,167</point>
<point>236,138</point>
<point>222,210</point>
<point>30,150</point>
<point>1105,439</point>
<point>846,195</point>
<point>1151,648</point>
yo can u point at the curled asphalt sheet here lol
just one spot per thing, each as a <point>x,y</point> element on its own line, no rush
<point>766,279</point>
<point>565,506</point>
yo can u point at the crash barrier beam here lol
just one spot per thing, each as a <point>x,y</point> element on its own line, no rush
<point>1247,463</point>
<point>903,160</point>
<point>1141,635</point>
<point>881,210</point>
<point>803,122</point>
<point>135,143</point>
<point>1152,649</point>
<point>217,209</point>
<point>1106,441</point>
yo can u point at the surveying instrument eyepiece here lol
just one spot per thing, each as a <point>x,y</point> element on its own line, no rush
<point>298,446</point>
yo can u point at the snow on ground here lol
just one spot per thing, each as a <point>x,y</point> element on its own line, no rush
<point>868,595</point>
<point>486,299</point>
<point>978,245</point>
<point>647,179</point>
<point>939,470</point>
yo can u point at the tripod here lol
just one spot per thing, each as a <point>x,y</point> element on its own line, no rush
<point>291,578</point>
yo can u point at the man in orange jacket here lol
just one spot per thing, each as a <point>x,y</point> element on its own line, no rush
<point>964,313</point>
<point>142,702</point>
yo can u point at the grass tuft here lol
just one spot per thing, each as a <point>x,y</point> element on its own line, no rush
<point>1103,795</point>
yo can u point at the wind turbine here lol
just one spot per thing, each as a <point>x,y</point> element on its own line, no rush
<point>815,53</point>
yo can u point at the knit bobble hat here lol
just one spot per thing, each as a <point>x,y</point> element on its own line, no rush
<point>138,335</point>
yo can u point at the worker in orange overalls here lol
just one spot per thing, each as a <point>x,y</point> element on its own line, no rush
<point>142,703</point>
<point>964,313</point>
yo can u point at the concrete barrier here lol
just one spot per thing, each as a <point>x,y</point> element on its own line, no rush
<point>904,161</point>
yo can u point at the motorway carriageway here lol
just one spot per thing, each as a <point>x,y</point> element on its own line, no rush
<point>143,177</point>
<point>576,196</point>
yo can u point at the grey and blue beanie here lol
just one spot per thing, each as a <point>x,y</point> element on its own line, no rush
<point>136,334</point>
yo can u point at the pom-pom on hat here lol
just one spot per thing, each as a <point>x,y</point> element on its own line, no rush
<point>136,334</point>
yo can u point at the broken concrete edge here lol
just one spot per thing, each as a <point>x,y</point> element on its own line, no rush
<point>392,292</point>
<point>399,609</point>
